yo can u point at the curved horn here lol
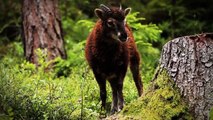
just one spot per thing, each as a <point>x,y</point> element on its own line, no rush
<point>120,7</point>
<point>105,8</point>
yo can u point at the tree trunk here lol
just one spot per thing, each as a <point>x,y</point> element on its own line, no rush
<point>42,29</point>
<point>189,62</point>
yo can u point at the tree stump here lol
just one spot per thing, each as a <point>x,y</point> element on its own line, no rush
<point>189,62</point>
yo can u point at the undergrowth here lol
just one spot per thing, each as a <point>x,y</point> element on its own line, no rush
<point>27,92</point>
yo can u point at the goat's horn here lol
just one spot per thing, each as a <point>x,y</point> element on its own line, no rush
<point>104,7</point>
<point>120,7</point>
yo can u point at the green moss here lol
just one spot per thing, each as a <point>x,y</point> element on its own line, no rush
<point>211,114</point>
<point>161,101</point>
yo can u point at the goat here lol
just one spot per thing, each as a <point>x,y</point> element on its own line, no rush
<point>110,47</point>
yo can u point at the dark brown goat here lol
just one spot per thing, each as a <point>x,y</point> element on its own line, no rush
<point>109,49</point>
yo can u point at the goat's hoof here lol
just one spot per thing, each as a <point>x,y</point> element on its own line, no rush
<point>113,111</point>
<point>120,107</point>
<point>102,113</point>
<point>101,116</point>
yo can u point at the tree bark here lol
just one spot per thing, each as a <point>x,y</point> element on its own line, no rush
<point>42,29</point>
<point>189,62</point>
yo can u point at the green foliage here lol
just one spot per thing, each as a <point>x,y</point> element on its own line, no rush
<point>143,33</point>
<point>161,101</point>
<point>30,93</point>
<point>179,17</point>
<point>9,20</point>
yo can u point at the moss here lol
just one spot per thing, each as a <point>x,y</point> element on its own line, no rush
<point>161,101</point>
<point>211,114</point>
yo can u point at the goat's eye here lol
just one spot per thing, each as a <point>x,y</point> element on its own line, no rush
<point>110,23</point>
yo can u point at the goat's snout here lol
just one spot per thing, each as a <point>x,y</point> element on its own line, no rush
<point>122,37</point>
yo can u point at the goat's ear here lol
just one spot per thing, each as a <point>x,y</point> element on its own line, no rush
<point>99,13</point>
<point>127,11</point>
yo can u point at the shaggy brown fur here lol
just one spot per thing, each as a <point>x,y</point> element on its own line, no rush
<point>110,47</point>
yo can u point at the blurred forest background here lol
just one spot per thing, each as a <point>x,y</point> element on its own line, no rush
<point>69,90</point>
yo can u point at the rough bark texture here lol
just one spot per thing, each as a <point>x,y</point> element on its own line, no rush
<point>42,29</point>
<point>189,61</point>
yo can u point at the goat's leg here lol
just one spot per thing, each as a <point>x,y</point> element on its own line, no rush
<point>113,83</point>
<point>120,88</point>
<point>102,86</point>
<point>134,66</point>
<point>120,95</point>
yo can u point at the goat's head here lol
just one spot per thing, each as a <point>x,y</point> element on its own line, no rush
<point>113,20</point>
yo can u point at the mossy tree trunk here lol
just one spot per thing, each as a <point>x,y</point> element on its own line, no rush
<point>42,29</point>
<point>189,62</point>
